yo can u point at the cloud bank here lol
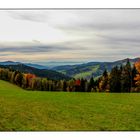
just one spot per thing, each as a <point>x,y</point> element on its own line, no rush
<point>69,35</point>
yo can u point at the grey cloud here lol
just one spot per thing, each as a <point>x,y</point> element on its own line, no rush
<point>120,40</point>
<point>102,20</point>
<point>88,27</point>
<point>66,46</point>
<point>28,15</point>
<point>83,19</point>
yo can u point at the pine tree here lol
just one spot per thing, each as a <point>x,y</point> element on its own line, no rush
<point>91,84</point>
<point>64,86</point>
<point>82,85</point>
<point>115,80</point>
<point>126,78</point>
<point>105,74</point>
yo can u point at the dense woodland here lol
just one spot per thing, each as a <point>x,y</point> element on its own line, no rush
<point>124,78</point>
<point>43,73</point>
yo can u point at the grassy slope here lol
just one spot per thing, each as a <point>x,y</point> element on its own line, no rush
<point>34,110</point>
<point>87,73</point>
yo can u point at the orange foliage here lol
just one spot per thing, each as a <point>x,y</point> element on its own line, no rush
<point>29,76</point>
<point>137,78</point>
<point>77,82</point>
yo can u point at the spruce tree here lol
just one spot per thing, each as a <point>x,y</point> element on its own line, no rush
<point>64,86</point>
<point>91,84</point>
<point>126,77</point>
<point>115,80</point>
<point>82,85</point>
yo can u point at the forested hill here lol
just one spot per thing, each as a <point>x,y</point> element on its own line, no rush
<point>85,70</point>
<point>91,69</point>
<point>50,74</point>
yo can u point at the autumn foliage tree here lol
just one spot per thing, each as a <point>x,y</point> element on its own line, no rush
<point>28,78</point>
<point>104,83</point>
<point>137,78</point>
<point>77,85</point>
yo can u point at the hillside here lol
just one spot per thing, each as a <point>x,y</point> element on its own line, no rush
<point>50,74</point>
<point>22,110</point>
<point>87,70</point>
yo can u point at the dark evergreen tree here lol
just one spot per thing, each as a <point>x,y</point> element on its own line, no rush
<point>126,78</point>
<point>91,84</point>
<point>115,80</point>
<point>82,85</point>
<point>19,78</point>
<point>64,86</point>
<point>121,68</point>
<point>105,74</point>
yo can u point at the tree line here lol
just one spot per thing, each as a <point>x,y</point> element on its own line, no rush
<point>124,78</point>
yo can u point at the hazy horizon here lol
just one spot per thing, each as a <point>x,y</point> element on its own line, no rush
<point>56,63</point>
<point>69,36</point>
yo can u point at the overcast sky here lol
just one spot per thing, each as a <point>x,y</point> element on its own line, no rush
<point>42,36</point>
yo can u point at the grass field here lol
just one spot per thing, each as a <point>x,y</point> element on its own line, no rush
<point>34,110</point>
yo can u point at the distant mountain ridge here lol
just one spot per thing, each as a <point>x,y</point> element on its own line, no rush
<point>9,63</point>
<point>27,64</point>
<point>85,70</point>
<point>91,69</point>
<point>44,73</point>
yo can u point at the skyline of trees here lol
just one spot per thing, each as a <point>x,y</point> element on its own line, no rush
<point>121,79</point>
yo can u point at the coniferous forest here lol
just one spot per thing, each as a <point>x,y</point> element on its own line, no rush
<point>121,79</point>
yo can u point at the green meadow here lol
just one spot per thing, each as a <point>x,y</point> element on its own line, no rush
<point>22,110</point>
